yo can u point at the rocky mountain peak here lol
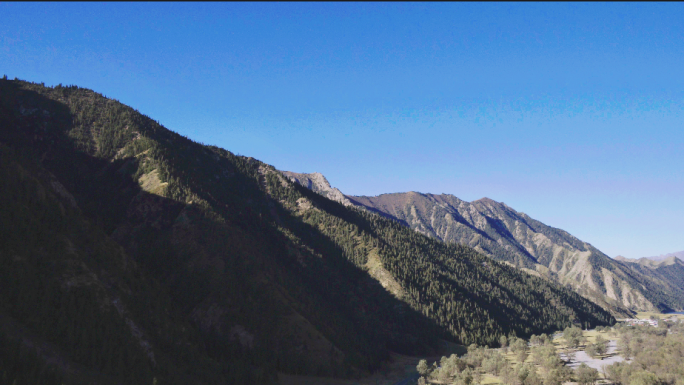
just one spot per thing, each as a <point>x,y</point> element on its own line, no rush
<point>317,183</point>
<point>486,200</point>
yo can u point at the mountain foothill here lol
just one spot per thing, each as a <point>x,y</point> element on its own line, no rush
<point>131,254</point>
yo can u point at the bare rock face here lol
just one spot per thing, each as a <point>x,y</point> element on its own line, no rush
<point>317,183</point>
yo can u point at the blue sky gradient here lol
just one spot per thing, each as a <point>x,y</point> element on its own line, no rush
<point>569,112</point>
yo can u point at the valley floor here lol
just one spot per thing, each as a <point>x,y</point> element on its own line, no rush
<point>401,371</point>
<point>582,357</point>
<point>609,358</point>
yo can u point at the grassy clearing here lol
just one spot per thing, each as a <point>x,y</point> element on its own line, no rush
<point>402,366</point>
<point>560,344</point>
<point>488,379</point>
<point>649,314</point>
<point>513,360</point>
<point>590,336</point>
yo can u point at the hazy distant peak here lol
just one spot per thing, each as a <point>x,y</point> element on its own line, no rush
<point>670,260</point>
<point>678,254</point>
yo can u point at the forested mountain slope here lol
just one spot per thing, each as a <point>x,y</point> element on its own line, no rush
<point>131,253</point>
<point>499,231</point>
<point>670,269</point>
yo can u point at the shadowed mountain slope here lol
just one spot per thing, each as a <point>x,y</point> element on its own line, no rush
<point>135,253</point>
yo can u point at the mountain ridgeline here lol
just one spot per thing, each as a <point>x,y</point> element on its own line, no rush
<point>669,269</point>
<point>131,254</point>
<point>500,232</point>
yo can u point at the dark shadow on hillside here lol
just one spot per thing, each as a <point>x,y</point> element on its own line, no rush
<point>213,262</point>
<point>409,332</point>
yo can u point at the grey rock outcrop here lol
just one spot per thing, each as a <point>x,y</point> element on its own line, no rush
<point>317,183</point>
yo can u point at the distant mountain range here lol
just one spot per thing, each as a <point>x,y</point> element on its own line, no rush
<point>499,231</point>
<point>652,261</point>
<point>678,254</point>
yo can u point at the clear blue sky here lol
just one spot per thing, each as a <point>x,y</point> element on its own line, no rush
<point>570,112</point>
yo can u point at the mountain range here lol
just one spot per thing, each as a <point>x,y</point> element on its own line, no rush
<point>133,255</point>
<point>497,230</point>
<point>678,254</point>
